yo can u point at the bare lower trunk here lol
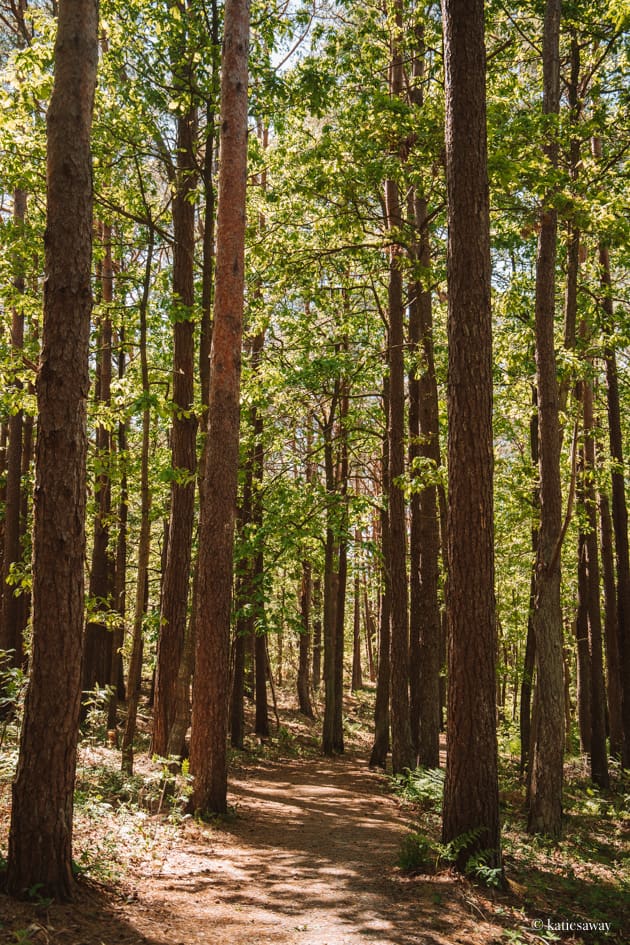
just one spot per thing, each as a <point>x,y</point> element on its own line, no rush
<point>208,744</point>
<point>303,680</point>
<point>546,766</point>
<point>471,795</point>
<point>40,839</point>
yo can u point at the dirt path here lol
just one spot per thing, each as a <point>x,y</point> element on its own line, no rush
<point>309,859</point>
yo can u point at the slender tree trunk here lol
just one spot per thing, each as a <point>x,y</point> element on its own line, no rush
<point>174,614</point>
<point>317,633</point>
<point>303,678</point>
<point>258,573</point>
<point>381,743</point>
<point>545,771</point>
<point>583,653</point>
<point>402,750</point>
<point>330,588</point>
<point>97,654</point>
<point>182,709</point>
<point>10,623</point>
<point>599,760</point>
<point>208,745</point>
<point>619,507</point>
<point>529,662</point>
<point>144,540</point>
<point>424,534</point>
<point>613,676</point>
<point>329,627</point>
<point>119,589</point>
<point>342,571</point>
<point>424,538</point>
<point>471,794</point>
<point>40,839</point>
<point>244,622</point>
<point>357,673</point>
<point>370,633</point>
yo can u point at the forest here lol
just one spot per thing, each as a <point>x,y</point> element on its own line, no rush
<point>314,558</point>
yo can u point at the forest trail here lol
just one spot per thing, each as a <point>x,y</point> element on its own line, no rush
<point>308,860</point>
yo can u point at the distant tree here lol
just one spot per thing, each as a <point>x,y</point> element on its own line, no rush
<point>40,839</point>
<point>471,794</point>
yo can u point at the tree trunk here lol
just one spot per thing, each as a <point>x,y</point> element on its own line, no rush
<point>303,680</point>
<point>381,743</point>
<point>545,771</point>
<point>529,662</point>
<point>402,750</point>
<point>599,760</point>
<point>208,745</point>
<point>40,839</point>
<point>257,602</point>
<point>619,508</point>
<point>583,653</point>
<point>317,633</point>
<point>613,673</point>
<point>330,587</point>
<point>11,628</point>
<point>174,614</point>
<point>97,653</point>
<point>119,588</point>
<point>342,570</point>
<point>370,633</point>
<point>357,673</point>
<point>424,533</point>
<point>471,794</point>
<point>144,541</point>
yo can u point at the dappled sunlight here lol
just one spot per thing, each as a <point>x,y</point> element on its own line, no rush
<point>311,854</point>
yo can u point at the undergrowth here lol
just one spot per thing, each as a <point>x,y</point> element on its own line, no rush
<point>583,878</point>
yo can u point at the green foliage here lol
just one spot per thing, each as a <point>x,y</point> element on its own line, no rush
<point>12,688</point>
<point>424,786</point>
<point>415,852</point>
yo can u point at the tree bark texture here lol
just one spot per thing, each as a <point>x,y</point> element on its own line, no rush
<point>424,540</point>
<point>303,677</point>
<point>208,746</point>
<point>97,651</point>
<point>529,659</point>
<point>40,840</point>
<point>613,672</point>
<point>471,797</point>
<point>402,750</point>
<point>11,623</point>
<point>598,756</point>
<point>619,508</point>
<point>174,613</point>
<point>547,745</point>
<point>381,745</point>
<point>144,540</point>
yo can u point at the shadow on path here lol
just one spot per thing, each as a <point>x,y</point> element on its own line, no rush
<point>309,859</point>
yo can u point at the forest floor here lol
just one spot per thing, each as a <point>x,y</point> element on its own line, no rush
<point>310,855</point>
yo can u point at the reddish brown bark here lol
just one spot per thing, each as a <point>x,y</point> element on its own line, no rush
<point>97,647</point>
<point>547,737</point>
<point>402,751</point>
<point>11,622</point>
<point>471,801</point>
<point>174,612</point>
<point>208,746</point>
<point>40,840</point>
